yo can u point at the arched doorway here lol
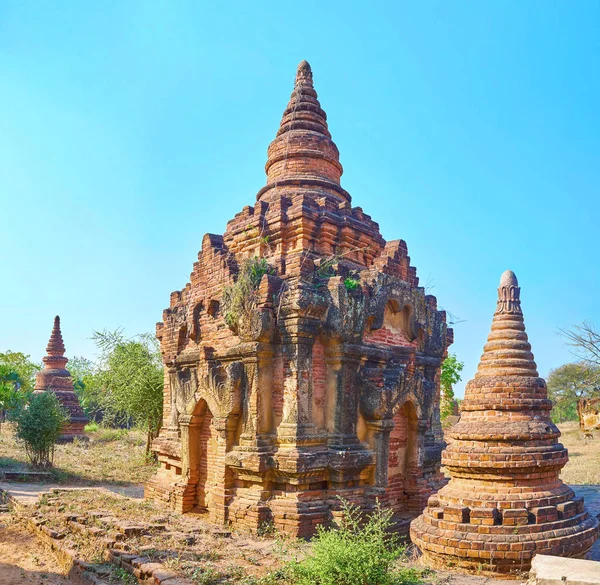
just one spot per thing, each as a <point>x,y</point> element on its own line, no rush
<point>203,449</point>
<point>403,459</point>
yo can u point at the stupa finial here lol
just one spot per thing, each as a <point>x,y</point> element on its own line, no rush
<point>509,278</point>
<point>56,348</point>
<point>507,351</point>
<point>304,74</point>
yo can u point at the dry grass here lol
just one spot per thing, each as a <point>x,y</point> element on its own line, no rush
<point>584,459</point>
<point>111,456</point>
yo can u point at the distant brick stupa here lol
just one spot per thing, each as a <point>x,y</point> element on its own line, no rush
<point>56,378</point>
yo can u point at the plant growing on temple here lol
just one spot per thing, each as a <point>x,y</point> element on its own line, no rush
<point>568,384</point>
<point>38,425</point>
<point>131,377</point>
<point>240,297</point>
<point>360,551</point>
<point>351,283</point>
<point>449,376</point>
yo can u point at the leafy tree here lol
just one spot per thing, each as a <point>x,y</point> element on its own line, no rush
<point>23,366</point>
<point>449,376</point>
<point>38,425</point>
<point>569,383</point>
<point>10,382</point>
<point>131,377</point>
<point>87,385</point>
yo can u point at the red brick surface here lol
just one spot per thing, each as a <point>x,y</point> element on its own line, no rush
<point>318,391</point>
<point>505,501</point>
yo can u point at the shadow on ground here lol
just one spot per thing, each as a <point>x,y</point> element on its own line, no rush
<point>12,574</point>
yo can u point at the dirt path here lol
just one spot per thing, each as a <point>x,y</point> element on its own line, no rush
<point>23,560</point>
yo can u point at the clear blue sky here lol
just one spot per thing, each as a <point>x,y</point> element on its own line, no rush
<point>130,129</point>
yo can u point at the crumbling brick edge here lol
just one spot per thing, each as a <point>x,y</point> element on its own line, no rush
<point>81,572</point>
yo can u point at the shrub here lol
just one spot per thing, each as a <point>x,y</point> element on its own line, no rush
<point>38,425</point>
<point>351,284</point>
<point>91,427</point>
<point>360,551</point>
<point>239,298</point>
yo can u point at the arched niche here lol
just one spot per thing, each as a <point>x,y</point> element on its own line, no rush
<point>194,330</point>
<point>395,325</point>
<point>202,453</point>
<point>403,457</point>
<point>397,319</point>
<point>182,337</point>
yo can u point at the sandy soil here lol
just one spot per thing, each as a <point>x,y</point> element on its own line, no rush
<point>23,561</point>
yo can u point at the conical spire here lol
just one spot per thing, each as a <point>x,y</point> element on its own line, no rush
<point>507,351</point>
<point>504,461</point>
<point>56,378</point>
<point>303,156</point>
<point>56,348</point>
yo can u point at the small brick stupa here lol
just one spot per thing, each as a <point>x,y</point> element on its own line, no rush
<point>321,382</point>
<point>504,502</point>
<point>55,378</point>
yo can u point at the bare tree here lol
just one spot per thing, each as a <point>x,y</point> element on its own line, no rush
<point>586,340</point>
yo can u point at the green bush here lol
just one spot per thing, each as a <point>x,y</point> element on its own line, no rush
<point>360,551</point>
<point>91,427</point>
<point>38,425</point>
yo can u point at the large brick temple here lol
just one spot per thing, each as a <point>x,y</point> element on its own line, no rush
<point>505,501</point>
<point>321,378</point>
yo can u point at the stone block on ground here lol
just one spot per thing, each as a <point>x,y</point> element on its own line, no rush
<point>549,570</point>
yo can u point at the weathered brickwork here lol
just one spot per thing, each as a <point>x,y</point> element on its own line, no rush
<point>326,387</point>
<point>505,501</point>
<point>55,378</point>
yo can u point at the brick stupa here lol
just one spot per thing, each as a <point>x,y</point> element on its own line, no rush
<point>326,384</point>
<point>504,502</point>
<point>54,377</point>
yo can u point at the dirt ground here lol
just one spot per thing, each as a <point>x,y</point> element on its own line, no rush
<point>116,461</point>
<point>23,561</point>
<point>583,467</point>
